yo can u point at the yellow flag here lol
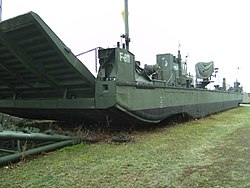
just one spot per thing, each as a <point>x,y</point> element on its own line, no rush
<point>123,15</point>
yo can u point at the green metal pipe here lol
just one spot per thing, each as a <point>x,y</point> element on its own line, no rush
<point>18,156</point>
<point>12,135</point>
<point>7,150</point>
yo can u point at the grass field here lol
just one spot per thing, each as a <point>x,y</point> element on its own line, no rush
<point>209,152</point>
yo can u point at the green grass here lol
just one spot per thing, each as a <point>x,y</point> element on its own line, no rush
<point>210,152</point>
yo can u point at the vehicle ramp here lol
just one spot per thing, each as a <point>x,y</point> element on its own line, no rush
<point>38,71</point>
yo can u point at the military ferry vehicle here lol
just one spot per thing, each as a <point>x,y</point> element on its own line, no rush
<point>42,79</point>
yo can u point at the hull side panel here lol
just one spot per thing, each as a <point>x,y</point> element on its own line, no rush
<point>157,115</point>
<point>157,104</point>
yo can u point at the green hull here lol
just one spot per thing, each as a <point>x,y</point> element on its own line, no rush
<point>165,102</point>
<point>128,104</point>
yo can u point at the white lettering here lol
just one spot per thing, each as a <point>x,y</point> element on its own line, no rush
<point>124,57</point>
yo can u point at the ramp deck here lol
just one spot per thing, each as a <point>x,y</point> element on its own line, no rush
<point>36,64</point>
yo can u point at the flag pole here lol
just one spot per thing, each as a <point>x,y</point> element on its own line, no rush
<point>127,39</point>
<point>0,10</point>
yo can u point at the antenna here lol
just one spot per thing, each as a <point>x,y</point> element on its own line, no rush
<point>179,45</point>
<point>238,74</point>
<point>179,64</point>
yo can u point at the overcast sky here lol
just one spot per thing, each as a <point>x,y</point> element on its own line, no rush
<point>208,30</point>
